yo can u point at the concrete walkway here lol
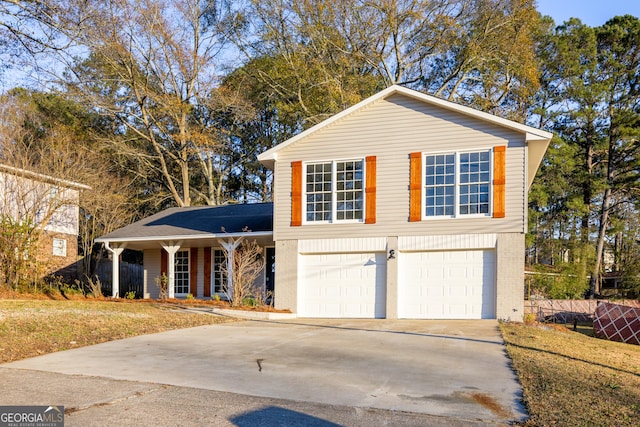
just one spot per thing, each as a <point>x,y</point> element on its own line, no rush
<point>455,369</point>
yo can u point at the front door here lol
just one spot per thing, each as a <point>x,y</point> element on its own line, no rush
<point>270,278</point>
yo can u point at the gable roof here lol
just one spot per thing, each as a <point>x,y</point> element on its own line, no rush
<point>536,139</point>
<point>198,223</point>
<point>43,178</point>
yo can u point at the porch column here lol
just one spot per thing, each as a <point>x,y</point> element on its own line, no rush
<point>230,246</point>
<point>115,268</point>
<point>171,248</point>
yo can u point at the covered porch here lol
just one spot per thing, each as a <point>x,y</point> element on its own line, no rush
<point>188,252</point>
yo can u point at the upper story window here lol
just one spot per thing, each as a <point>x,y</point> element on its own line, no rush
<point>457,184</point>
<point>334,191</point>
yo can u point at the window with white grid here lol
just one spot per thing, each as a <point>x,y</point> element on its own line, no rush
<point>349,186</point>
<point>319,191</point>
<point>440,176</point>
<point>334,191</point>
<point>457,184</point>
<point>474,183</point>
<point>181,273</point>
<point>219,272</point>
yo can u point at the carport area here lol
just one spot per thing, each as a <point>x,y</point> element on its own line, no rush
<point>447,368</point>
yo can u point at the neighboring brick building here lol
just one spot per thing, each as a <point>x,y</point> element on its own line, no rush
<point>51,204</point>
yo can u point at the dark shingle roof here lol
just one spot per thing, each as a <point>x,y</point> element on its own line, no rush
<point>200,221</point>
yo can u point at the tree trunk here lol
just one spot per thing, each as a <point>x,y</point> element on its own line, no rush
<point>594,287</point>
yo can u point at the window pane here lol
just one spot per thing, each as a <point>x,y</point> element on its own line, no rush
<point>474,183</point>
<point>219,275</point>
<point>349,188</point>
<point>181,272</point>
<point>439,184</point>
<point>319,191</point>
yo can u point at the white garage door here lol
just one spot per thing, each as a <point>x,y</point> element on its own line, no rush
<point>342,285</point>
<point>447,285</point>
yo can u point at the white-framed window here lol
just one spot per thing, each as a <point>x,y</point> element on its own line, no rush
<point>219,276</point>
<point>181,272</point>
<point>60,247</point>
<point>334,191</point>
<point>457,184</point>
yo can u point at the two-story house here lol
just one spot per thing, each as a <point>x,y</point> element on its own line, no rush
<point>402,206</point>
<point>49,205</point>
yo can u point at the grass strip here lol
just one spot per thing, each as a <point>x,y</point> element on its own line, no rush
<point>33,327</point>
<point>571,378</point>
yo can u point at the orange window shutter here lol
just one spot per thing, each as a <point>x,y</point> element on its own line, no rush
<point>296,194</point>
<point>164,262</point>
<point>207,272</point>
<point>499,181</point>
<point>415,187</point>
<point>193,272</point>
<point>370,190</point>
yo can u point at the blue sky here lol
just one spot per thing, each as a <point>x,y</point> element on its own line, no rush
<point>590,12</point>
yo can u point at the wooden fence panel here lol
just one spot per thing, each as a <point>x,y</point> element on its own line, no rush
<point>131,278</point>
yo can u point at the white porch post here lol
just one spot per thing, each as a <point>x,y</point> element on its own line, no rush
<point>115,268</point>
<point>230,246</point>
<point>171,249</point>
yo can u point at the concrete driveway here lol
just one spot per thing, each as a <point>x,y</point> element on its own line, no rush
<point>445,368</point>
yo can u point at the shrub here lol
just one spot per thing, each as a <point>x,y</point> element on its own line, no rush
<point>163,283</point>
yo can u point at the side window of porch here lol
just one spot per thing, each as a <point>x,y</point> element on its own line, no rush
<point>182,273</point>
<point>219,272</point>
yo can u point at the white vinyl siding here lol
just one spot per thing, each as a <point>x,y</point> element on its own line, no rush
<point>391,129</point>
<point>152,261</point>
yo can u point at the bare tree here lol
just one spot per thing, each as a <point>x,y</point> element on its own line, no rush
<point>47,141</point>
<point>154,67</point>
<point>244,265</point>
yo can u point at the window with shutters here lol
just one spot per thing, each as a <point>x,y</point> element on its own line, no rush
<point>334,191</point>
<point>457,184</point>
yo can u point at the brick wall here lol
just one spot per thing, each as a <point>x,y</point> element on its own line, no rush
<point>57,264</point>
<point>509,270</point>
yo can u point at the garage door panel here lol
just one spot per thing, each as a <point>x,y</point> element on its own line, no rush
<point>447,284</point>
<point>342,285</point>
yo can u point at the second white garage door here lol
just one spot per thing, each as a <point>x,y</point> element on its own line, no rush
<point>447,285</point>
<point>342,285</point>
